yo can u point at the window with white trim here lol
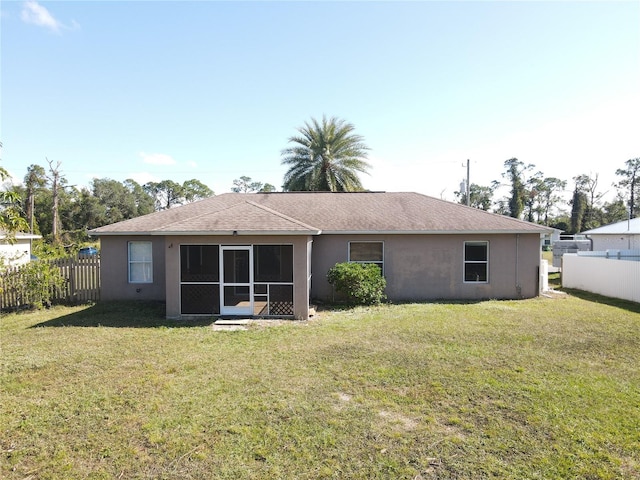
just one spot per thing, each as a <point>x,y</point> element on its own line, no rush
<point>476,262</point>
<point>367,252</point>
<point>140,262</point>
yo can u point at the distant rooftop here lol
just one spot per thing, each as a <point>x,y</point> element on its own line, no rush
<point>626,226</point>
<point>20,235</point>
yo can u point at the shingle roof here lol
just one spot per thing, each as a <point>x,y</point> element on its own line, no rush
<point>626,226</point>
<point>309,213</point>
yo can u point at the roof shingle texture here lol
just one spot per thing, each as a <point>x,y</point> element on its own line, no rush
<point>312,212</point>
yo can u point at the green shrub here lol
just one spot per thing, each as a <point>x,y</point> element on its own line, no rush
<point>47,251</point>
<point>39,282</point>
<point>361,283</point>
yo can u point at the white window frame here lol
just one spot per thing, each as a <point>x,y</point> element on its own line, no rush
<point>375,262</point>
<point>132,261</point>
<point>477,262</point>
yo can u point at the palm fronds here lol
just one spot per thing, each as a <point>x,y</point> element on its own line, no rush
<point>325,156</point>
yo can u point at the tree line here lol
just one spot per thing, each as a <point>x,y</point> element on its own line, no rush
<point>324,155</point>
<point>63,213</point>
<point>539,199</point>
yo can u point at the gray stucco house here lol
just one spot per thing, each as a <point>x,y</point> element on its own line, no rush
<point>267,254</point>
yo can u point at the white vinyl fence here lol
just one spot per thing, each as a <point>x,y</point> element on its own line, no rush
<point>612,273</point>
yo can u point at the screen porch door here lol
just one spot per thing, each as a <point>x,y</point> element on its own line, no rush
<point>236,289</point>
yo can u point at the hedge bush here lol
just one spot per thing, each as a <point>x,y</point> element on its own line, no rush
<point>38,280</point>
<point>361,283</point>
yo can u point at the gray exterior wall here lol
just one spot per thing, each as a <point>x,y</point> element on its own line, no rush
<point>430,267</point>
<point>114,277</point>
<point>417,267</point>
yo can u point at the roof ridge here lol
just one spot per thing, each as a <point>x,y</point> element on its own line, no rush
<point>282,215</point>
<point>164,227</point>
<point>240,202</point>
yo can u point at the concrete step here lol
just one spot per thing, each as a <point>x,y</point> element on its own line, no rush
<point>232,321</point>
<point>231,324</point>
<point>228,328</point>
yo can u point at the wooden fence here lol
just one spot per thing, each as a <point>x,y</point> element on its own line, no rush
<point>81,283</point>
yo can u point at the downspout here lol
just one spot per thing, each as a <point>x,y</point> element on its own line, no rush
<point>518,286</point>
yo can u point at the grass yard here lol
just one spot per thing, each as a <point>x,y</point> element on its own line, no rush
<point>547,388</point>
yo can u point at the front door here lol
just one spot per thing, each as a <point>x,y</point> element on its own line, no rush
<point>236,295</point>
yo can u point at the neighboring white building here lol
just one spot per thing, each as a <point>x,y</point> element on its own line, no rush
<point>548,239</point>
<point>623,235</point>
<point>18,252</point>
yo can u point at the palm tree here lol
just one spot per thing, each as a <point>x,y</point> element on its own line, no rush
<point>325,157</point>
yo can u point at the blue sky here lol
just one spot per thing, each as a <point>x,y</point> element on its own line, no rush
<point>213,90</point>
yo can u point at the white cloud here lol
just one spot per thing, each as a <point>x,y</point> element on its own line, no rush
<point>192,164</point>
<point>157,158</point>
<point>35,14</point>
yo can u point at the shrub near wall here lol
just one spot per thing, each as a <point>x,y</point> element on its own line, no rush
<point>70,280</point>
<point>32,285</point>
<point>360,283</point>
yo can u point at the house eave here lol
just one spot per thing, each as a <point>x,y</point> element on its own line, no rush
<point>221,233</point>
<point>238,233</point>
<point>114,234</point>
<point>433,232</point>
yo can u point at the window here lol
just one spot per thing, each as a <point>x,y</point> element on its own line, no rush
<point>273,263</point>
<point>140,262</point>
<point>200,279</point>
<point>199,263</point>
<point>273,274</point>
<point>476,262</point>
<point>367,252</point>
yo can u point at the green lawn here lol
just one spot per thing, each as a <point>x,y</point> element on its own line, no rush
<point>547,388</point>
